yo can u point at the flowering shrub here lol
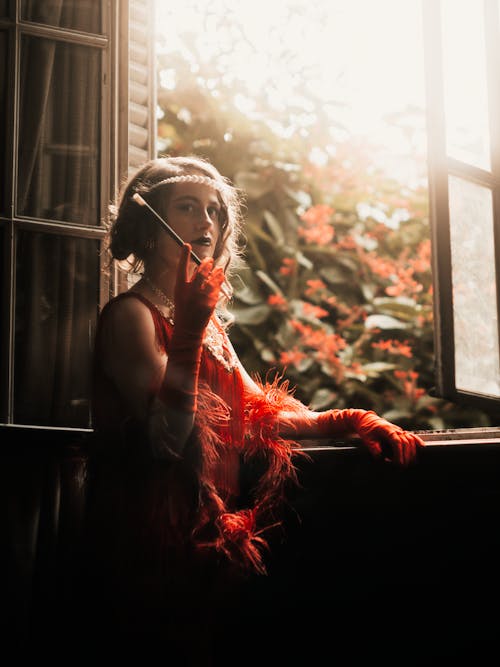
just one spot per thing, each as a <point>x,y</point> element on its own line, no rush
<point>341,303</point>
<point>336,294</point>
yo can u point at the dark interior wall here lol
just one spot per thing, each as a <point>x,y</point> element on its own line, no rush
<point>374,563</point>
<point>397,565</point>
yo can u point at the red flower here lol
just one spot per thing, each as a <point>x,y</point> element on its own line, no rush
<point>288,266</point>
<point>311,310</point>
<point>292,357</point>
<point>394,347</point>
<point>317,228</point>
<point>277,301</point>
<point>314,286</point>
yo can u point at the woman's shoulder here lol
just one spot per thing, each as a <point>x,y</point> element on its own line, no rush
<point>131,310</point>
<point>128,303</point>
<point>132,313</point>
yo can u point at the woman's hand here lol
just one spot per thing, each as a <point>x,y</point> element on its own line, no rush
<point>194,301</point>
<point>195,298</point>
<point>380,437</point>
<point>386,440</point>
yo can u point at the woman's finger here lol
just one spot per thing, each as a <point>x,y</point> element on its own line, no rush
<point>182,268</point>
<point>203,270</point>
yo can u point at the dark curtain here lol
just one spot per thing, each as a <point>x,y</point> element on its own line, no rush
<point>57,275</point>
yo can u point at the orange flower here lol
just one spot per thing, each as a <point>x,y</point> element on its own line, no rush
<point>292,357</point>
<point>314,286</point>
<point>311,310</point>
<point>319,214</point>
<point>317,228</point>
<point>347,243</point>
<point>321,235</point>
<point>353,314</point>
<point>409,385</point>
<point>288,266</point>
<point>422,263</point>
<point>277,301</point>
<point>394,347</point>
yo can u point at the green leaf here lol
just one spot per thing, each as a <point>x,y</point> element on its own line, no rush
<point>274,287</point>
<point>302,198</point>
<point>383,322</point>
<point>322,398</point>
<point>267,355</point>
<point>368,290</point>
<point>348,262</point>
<point>378,367</point>
<point>274,227</point>
<point>303,261</point>
<point>251,314</point>
<point>248,296</point>
<point>396,416</point>
<point>253,184</point>
<point>333,275</point>
<point>399,307</point>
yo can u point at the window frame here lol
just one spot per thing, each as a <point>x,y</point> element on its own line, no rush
<point>11,221</point>
<point>123,40</point>
<point>440,168</point>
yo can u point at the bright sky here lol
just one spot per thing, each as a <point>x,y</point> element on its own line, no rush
<point>368,54</point>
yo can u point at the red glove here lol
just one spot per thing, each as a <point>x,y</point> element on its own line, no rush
<point>195,300</point>
<point>382,438</point>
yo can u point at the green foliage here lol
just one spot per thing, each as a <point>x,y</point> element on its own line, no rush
<point>337,289</point>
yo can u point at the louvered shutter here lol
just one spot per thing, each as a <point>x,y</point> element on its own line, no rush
<point>141,82</point>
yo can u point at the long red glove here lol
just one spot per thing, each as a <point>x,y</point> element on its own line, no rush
<point>382,438</point>
<point>194,300</point>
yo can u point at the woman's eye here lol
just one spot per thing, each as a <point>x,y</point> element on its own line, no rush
<point>186,208</point>
<point>213,213</point>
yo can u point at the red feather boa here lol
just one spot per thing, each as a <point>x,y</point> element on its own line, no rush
<point>239,532</point>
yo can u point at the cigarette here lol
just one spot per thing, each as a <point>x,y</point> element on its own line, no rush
<point>225,288</point>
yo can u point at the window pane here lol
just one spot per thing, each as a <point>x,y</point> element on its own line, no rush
<point>465,91</point>
<point>57,281</point>
<point>59,131</point>
<point>477,366</point>
<point>4,8</point>
<point>84,15</point>
<point>3,342</point>
<point>3,117</point>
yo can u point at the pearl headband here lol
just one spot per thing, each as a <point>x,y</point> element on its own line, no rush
<point>192,178</point>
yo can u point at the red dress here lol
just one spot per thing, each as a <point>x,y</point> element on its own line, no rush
<point>159,518</point>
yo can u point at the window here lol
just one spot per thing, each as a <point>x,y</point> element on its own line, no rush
<point>66,140</point>
<point>463,73</point>
<point>77,109</point>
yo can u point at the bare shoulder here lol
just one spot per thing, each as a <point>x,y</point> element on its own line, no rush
<point>129,315</point>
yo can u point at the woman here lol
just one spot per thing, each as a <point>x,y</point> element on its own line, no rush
<point>177,417</point>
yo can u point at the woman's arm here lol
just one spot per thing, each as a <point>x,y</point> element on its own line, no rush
<point>138,367</point>
<point>379,436</point>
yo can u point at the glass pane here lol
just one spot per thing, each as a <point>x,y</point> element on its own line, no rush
<point>84,15</point>
<point>59,131</point>
<point>4,8</point>
<point>465,90</point>
<point>3,342</point>
<point>57,281</point>
<point>477,366</point>
<point>3,117</point>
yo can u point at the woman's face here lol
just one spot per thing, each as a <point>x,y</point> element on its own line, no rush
<point>193,212</point>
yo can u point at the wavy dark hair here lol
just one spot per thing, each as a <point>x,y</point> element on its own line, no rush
<point>132,227</point>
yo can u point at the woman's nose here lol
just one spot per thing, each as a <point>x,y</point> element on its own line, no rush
<point>205,221</point>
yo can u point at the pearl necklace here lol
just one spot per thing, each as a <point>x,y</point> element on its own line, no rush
<point>213,339</point>
<point>160,294</point>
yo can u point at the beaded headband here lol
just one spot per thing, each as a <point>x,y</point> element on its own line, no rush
<point>192,178</point>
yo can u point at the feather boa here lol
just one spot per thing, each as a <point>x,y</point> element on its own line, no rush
<point>239,533</point>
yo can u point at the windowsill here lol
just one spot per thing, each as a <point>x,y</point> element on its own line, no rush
<point>444,437</point>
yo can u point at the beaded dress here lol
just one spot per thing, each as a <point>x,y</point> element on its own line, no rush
<point>154,520</point>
